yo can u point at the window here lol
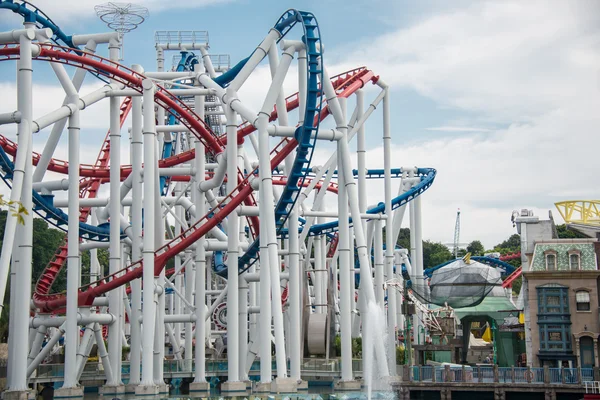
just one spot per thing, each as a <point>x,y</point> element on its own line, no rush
<point>574,259</point>
<point>554,319</point>
<point>583,300</point>
<point>551,262</point>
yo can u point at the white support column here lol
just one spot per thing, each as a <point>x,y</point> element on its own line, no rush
<point>295,283</point>
<point>115,297</point>
<point>24,233</point>
<point>378,267</point>
<point>413,253</point>
<point>200,259</point>
<point>418,261</point>
<point>137,151</point>
<point>345,267</point>
<point>232,253</point>
<point>243,323</point>
<point>72,328</point>
<point>361,152</point>
<point>149,311</point>
<point>389,234</point>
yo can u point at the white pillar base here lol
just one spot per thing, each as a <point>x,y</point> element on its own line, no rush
<point>196,387</point>
<point>262,387</point>
<point>130,388</point>
<point>146,390</point>
<point>162,389</point>
<point>67,393</point>
<point>284,385</point>
<point>19,395</point>
<point>349,386</point>
<point>233,388</point>
<point>302,385</point>
<point>107,390</point>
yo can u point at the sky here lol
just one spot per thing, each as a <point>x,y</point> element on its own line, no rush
<point>502,98</point>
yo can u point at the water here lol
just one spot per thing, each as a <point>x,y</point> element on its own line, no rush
<point>376,372</point>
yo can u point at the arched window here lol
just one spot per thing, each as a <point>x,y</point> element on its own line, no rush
<point>582,297</point>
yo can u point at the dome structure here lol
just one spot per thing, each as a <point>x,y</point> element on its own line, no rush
<point>462,283</point>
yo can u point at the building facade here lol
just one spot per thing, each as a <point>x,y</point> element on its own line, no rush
<point>563,303</point>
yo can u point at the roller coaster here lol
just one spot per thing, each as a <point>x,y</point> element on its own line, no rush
<point>196,255</point>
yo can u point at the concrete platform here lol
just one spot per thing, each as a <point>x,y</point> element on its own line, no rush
<point>284,385</point>
<point>19,395</point>
<point>348,386</point>
<point>146,390</point>
<point>109,390</point>
<point>262,387</point>
<point>68,393</point>
<point>203,387</point>
<point>130,388</point>
<point>302,385</point>
<point>233,388</point>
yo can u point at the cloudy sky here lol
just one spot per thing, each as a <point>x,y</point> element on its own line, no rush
<point>501,97</point>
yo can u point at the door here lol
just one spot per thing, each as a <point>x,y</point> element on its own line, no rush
<point>586,348</point>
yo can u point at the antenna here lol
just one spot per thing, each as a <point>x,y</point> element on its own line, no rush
<point>121,17</point>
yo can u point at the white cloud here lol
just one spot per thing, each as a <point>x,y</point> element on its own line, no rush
<point>457,129</point>
<point>526,65</point>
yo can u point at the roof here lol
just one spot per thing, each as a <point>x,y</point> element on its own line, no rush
<point>495,307</point>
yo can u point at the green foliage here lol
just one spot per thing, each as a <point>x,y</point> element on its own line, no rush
<point>510,245</point>
<point>356,346</point>
<point>476,248</point>
<point>435,254</point>
<point>404,238</point>
<point>16,209</point>
<point>400,360</point>
<point>565,233</point>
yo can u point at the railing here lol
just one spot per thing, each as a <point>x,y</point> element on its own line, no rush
<point>332,368</point>
<point>173,368</point>
<point>493,374</point>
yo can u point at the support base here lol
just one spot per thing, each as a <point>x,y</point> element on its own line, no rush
<point>67,393</point>
<point>233,388</point>
<point>111,390</point>
<point>348,386</point>
<point>302,385</point>
<point>146,390</point>
<point>284,385</point>
<point>130,388</point>
<point>203,387</point>
<point>18,395</point>
<point>163,388</point>
<point>262,387</point>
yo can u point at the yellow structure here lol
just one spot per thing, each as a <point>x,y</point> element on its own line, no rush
<point>580,212</point>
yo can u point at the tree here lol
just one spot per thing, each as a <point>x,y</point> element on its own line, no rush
<point>434,254</point>
<point>404,238</point>
<point>476,248</point>
<point>510,245</point>
<point>565,233</point>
